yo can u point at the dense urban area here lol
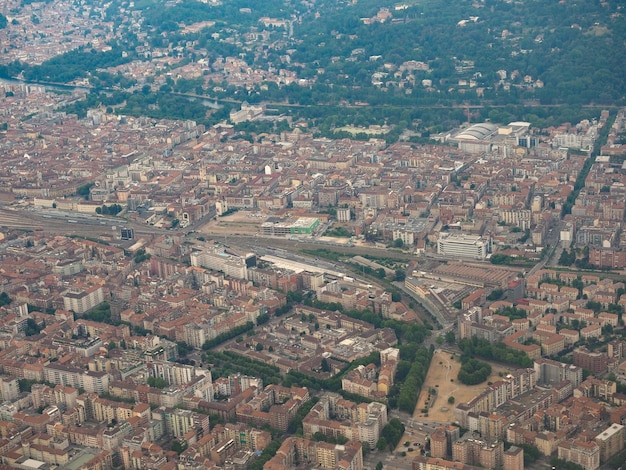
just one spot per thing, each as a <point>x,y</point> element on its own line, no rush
<point>312,234</point>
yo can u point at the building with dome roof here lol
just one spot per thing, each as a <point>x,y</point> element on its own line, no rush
<point>487,137</point>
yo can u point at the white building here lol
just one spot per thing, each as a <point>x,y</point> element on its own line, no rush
<point>172,373</point>
<point>218,259</point>
<point>463,246</point>
<point>90,381</point>
<point>82,301</point>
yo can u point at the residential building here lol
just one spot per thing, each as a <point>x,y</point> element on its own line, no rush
<point>584,453</point>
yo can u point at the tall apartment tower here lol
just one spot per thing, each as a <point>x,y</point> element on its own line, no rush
<point>514,458</point>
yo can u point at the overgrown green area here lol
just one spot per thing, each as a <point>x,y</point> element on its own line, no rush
<point>494,351</point>
<point>406,332</point>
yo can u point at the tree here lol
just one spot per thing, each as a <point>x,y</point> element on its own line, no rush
<point>259,347</point>
<point>294,297</point>
<point>474,371</point>
<point>451,400</point>
<point>84,190</point>
<point>183,348</point>
<point>325,365</point>
<point>4,299</point>
<point>495,294</point>
<point>25,385</point>
<point>157,382</point>
<point>398,243</point>
<point>32,328</point>
<point>366,447</point>
<point>381,444</point>
<point>141,256</point>
<point>450,337</point>
<point>392,433</point>
<point>379,466</point>
<point>179,446</point>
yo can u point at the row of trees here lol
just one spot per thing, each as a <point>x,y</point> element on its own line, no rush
<point>333,383</point>
<point>222,337</point>
<point>405,395</point>
<point>225,363</point>
<point>113,209</point>
<point>295,426</point>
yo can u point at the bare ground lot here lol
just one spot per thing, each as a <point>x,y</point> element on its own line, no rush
<point>238,223</point>
<point>442,376</point>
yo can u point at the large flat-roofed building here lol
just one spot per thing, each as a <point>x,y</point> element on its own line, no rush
<point>83,301</point>
<point>463,246</point>
<point>299,226</point>
<point>218,259</point>
<point>90,381</point>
